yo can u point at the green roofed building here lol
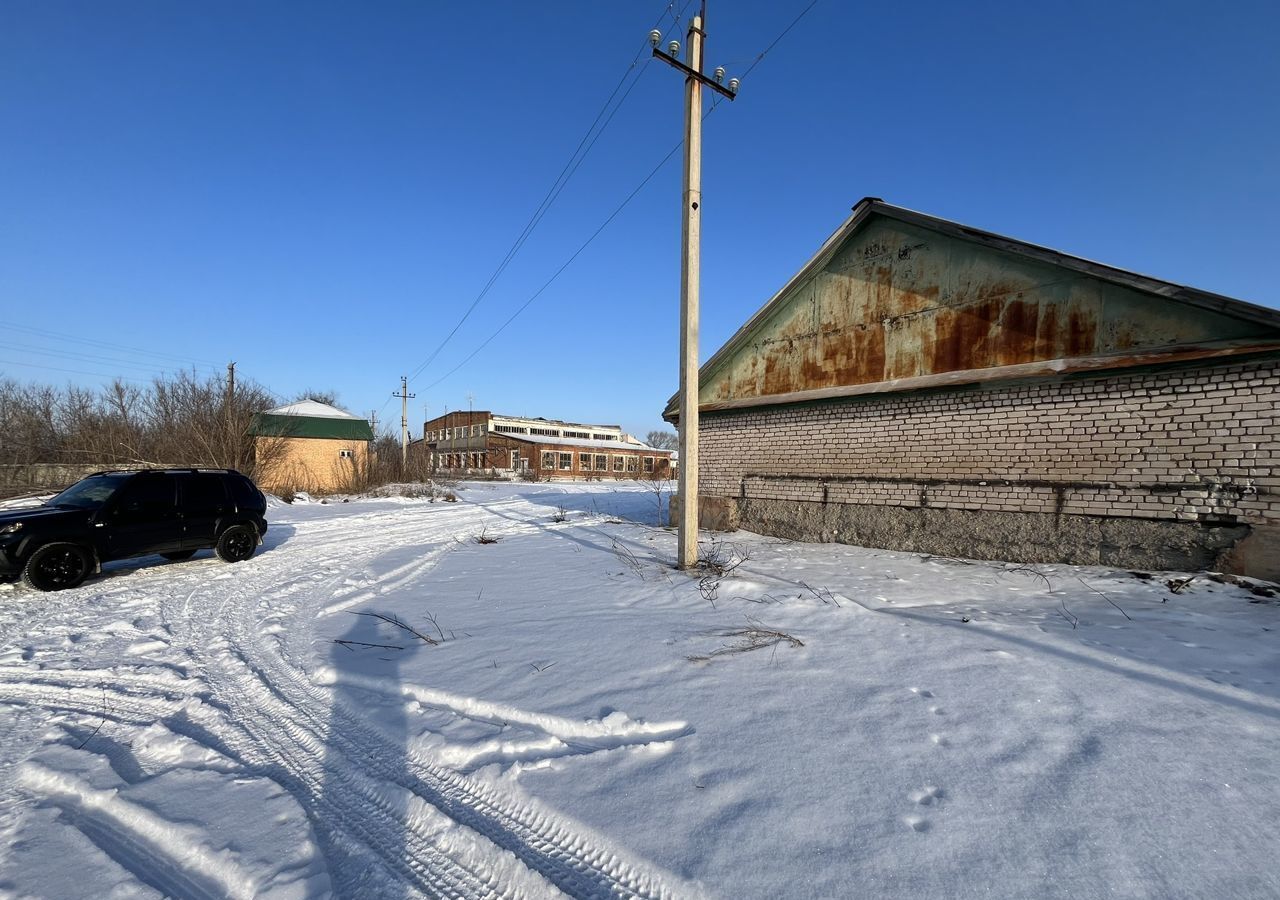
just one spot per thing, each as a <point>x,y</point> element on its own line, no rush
<point>309,446</point>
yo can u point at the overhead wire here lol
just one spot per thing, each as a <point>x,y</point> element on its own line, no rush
<point>57,335</point>
<point>96,359</point>
<point>672,152</point>
<point>72,371</point>
<point>567,172</point>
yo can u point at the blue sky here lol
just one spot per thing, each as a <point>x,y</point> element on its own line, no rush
<point>319,190</point>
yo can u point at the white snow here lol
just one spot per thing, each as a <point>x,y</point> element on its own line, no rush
<point>579,724</point>
<point>313,408</point>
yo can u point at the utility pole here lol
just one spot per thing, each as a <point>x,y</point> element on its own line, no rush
<point>405,397</point>
<point>373,423</point>
<point>690,249</point>
<point>232,443</point>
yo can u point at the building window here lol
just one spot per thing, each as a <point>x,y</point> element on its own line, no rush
<point>510,429</point>
<point>648,464</point>
<point>475,461</point>
<point>584,462</point>
<point>604,437</point>
<point>548,459</point>
<point>346,454</point>
<point>546,432</point>
<point>618,463</point>
<point>633,463</point>
<point>578,434</point>
<point>566,461</point>
<point>602,463</point>
<point>475,430</point>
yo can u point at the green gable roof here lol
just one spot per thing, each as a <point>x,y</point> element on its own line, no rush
<point>345,429</point>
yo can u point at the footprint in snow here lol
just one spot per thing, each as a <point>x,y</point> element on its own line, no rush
<point>916,823</point>
<point>927,795</point>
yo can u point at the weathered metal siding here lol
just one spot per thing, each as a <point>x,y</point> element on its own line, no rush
<point>900,301</point>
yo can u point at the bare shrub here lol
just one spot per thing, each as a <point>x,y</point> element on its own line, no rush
<point>754,637</point>
<point>660,484</point>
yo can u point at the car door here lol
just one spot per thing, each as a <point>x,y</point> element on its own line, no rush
<point>204,503</point>
<point>143,517</point>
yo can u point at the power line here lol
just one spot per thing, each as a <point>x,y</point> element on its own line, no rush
<point>93,358</point>
<point>557,187</point>
<point>565,265</point>
<point>57,335</point>
<point>672,152</point>
<point>10,362</point>
<point>766,50</point>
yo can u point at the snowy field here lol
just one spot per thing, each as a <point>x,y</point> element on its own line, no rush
<point>839,722</point>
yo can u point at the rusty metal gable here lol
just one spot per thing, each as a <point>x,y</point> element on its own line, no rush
<point>898,295</point>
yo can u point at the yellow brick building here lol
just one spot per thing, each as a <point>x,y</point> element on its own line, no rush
<point>310,446</point>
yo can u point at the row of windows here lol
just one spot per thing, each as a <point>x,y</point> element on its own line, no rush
<point>461,431</point>
<point>460,460</point>
<point>456,433</point>
<point>596,462</point>
<point>554,432</point>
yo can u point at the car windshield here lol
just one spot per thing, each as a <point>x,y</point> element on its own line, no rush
<point>89,493</point>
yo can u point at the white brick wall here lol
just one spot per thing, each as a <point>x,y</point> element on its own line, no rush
<point>1181,444</point>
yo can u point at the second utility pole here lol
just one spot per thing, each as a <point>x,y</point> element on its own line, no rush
<point>691,239</point>
<point>405,397</point>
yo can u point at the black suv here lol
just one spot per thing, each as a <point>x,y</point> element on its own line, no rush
<point>114,515</point>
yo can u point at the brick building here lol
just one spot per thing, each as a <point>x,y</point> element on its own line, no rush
<point>545,448</point>
<point>309,446</point>
<point>921,385</point>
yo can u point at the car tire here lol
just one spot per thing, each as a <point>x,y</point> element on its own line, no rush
<point>236,544</point>
<point>56,567</point>
<point>178,555</point>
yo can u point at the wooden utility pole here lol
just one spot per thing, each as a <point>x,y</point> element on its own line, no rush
<point>405,397</point>
<point>690,248</point>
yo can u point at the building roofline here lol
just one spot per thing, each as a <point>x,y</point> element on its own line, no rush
<point>868,206</point>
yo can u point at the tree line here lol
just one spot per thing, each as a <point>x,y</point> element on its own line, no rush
<point>176,420</point>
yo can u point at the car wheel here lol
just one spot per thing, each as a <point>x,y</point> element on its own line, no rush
<point>55,567</point>
<point>177,555</point>
<point>236,544</point>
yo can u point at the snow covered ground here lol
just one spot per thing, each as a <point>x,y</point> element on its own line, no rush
<point>580,726</point>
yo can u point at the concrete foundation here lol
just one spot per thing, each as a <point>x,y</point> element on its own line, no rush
<point>1014,536</point>
<point>714,513</point>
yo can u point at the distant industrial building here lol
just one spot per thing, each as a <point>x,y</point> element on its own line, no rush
<point>543,448</point>
<point>922,385</point>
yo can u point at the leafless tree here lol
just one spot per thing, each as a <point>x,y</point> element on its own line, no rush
<point>663,440</point>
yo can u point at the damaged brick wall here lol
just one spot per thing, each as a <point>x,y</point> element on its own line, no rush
<point>1197,445</point>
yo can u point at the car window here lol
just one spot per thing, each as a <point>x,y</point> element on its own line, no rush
<point>146,498</point>
<point>242,489</point>
<point>91,492</point>
<point>203,494</point>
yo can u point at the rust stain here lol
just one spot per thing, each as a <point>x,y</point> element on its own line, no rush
<point>1015,332</point>
<point>1082,333</point>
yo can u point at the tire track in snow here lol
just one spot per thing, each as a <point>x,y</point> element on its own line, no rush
<point>158,852</point>
<point>377,809</point>
<point>287,710</point>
